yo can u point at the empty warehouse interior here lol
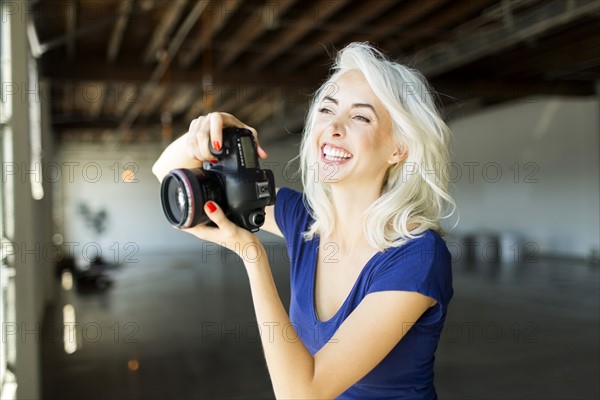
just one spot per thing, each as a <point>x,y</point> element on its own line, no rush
<point>103,299</point>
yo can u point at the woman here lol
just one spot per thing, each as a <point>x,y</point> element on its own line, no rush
<point>370,278</point>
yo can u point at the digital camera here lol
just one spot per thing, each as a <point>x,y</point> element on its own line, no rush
<point>235,182</point>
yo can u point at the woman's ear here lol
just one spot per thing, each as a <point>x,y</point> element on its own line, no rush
<point>398,156</point>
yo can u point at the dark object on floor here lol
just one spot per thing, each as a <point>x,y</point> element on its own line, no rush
<point>96,278</point>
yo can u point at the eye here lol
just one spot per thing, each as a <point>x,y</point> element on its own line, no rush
<point>363,118</point>
<point>325,110</point>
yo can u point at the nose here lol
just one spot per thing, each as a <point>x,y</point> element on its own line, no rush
<point>336,129</point>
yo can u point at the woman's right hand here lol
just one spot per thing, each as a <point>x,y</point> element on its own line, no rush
<point>191,149</point>
<point>209,129</point>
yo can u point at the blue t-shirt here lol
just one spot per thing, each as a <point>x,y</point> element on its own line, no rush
<point>421,265</point>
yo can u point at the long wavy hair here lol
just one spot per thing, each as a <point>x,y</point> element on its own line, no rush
<point>414,191</point>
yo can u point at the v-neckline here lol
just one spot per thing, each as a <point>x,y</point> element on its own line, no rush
<point>313,303</point>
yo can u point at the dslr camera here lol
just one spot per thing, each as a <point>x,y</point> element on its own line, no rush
<point>235,182</point>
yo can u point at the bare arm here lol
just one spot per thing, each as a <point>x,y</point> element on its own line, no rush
<point>362,341</point>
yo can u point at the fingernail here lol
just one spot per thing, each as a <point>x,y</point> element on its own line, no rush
<point>216,145</point>
<point>213,161</point>
<point>211,207</point>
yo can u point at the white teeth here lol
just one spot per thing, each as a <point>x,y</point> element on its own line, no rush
<point>333,154</point>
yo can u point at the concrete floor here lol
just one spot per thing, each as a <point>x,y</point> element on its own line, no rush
<point>182,326</point>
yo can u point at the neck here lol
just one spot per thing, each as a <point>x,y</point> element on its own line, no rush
<point>349,204</point>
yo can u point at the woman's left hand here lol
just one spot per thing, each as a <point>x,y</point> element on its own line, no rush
<point>227,234</point>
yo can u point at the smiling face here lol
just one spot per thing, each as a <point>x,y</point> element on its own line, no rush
<point>353,133</point>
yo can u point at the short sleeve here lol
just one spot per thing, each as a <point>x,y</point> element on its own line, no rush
<point>289,212</point>
<point>422,265</point>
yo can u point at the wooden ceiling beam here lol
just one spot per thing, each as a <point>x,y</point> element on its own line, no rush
<point>154,101</point>
<point>90,70</point>
<point>180,101</point>
<point>395,24</point>
<point>580,52</point>
<point>436,25</point>
<point>163,30</point>
<point>357,16</point>
<point>87,29</point>
<point>253,29</point>
<point>128,99</point>
<point>71,10</point>
<point>464,49</point>
<point>465,89</point>
<point>125,8</point>
<point>504,11</point>
<point>234,102</point>
<point>97,101</point>
<point>213,20</point>
<point>457,89</point>
<point>195,109</point>
<point>161,68</point>
<point>317,13</point>
<point>391,24</point>
<point>257,114</point>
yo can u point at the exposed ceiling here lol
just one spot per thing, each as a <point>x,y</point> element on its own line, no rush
<point>141,69</point>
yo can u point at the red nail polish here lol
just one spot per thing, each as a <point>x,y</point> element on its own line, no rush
<point>216,145</point>
<point>213,161</point>
<point>211,207</point>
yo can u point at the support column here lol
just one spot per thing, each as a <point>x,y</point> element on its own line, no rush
<point>27,291</point>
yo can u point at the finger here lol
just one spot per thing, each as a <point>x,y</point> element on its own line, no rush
<point>216,215</point>
<point>202,138</point>
<point>216,130</point>
<point>192,146</point>
<point>259,150</point>
<point>230,120</point>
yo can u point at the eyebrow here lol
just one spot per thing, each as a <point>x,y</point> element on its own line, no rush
<point>355,105</point>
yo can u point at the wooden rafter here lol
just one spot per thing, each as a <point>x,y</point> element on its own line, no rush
<point>100,57</point>
<point>164,29</point>
<point>437,25</point>
<point>97,100</point>
<point>357,16</point>
<point>162,67</point>
<point>116,37</point>
<point>252,29</point>
<point>394,24</point>
<point>442,57</point>
<point>223,10</point>
<point>315,14</point>
<point>71,17</point>
<point>154,101</point>
<point>89,70</point>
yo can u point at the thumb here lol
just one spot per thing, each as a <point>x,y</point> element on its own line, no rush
<point>261,152</point>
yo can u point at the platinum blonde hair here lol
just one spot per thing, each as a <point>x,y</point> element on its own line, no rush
<point>414,190</point>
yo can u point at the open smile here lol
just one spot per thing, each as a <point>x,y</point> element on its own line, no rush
<point>334,154</point>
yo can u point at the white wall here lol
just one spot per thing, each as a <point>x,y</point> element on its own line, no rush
<point>546,150</point>
<point>135,222</point>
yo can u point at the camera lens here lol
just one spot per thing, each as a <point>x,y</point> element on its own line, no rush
<point>183,195</point>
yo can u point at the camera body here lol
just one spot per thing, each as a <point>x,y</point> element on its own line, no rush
<point>235,182</point>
